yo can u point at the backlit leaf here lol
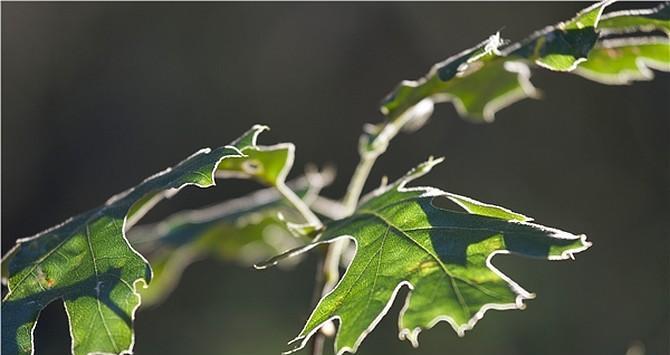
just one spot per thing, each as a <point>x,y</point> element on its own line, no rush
<point>624,60</point>
<point>492,75</point>
<point>246,230</point>
<point>645,20</point>
<point>87,261</point>
<point>443,256</point>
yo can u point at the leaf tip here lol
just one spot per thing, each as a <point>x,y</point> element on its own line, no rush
<point>567,251</point>
<point>260,127</point>
<point>410,335</point>
<point>585,244</point>
<point>416,172</point>
<point>257,129</point>
<point>301,341</point>
<point>265,264</point>
<point>428,165</point>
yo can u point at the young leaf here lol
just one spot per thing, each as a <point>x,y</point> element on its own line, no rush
<point>627,51</point>
<point>270,165</point>
<point>621,61</point>
<point>491,76</point>
<point>245,230</point>
<point>442,256</point>
<point>87,261</point>
<point>640,20</point>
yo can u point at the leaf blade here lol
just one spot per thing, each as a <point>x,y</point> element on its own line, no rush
<point>493,75</point>
<point>88,262</point>
<point>645,20</point>
<point>443,256</point>
<point>623,61</point>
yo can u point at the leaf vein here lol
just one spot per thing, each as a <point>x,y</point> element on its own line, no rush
<point>97,289</point>
<point>435,257</point>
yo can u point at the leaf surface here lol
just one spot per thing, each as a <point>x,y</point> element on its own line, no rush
<point>621,61</point>
<point>87,261</point>
<point>494,74</point>
<point>443,256</point>
<point>643,20</point>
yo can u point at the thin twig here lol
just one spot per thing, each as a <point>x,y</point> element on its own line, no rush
<point>369,152</point>
<point>300,206</point>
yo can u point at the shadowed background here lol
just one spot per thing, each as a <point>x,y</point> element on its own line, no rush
<point>96,97</point>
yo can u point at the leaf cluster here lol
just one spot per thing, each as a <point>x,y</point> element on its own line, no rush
<point>100,264</point>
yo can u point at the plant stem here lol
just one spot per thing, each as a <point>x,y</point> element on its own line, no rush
<point>317,344</point>
<point>357,182</point>
<point>329,208</point>
<point>300,206</point>
<point>329,266</point>
<point>369,152</point>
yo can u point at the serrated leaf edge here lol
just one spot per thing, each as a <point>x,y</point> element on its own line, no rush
<point>601,5</point>
<point>166,194</point>
<point>627,77</point>
<point>632,12</point>
<point>405,333</point>
<point>283,173</point>
<point>413,335</point>
<point>526,90</point>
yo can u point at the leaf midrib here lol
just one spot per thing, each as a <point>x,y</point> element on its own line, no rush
<point>87,233</point>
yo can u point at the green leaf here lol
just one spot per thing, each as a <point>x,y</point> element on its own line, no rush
<point>493,75</point>
<point>561,47</point>
<point>490,76</point>
<point>437,83</point>
<point>246,230</point>
<point>639,20</point>
<point>443,256</point>
<point>625,53</point>
<point>87,261</point>
<point>268,165</point>
<point>621,61</point>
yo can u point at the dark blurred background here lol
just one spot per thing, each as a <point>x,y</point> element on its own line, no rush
<point>97,96</point>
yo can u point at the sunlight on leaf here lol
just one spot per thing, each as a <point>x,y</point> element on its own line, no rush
<point>87,262</point>
<point>494,74</point>
<point>443,256</point>
<point>622,61</point>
